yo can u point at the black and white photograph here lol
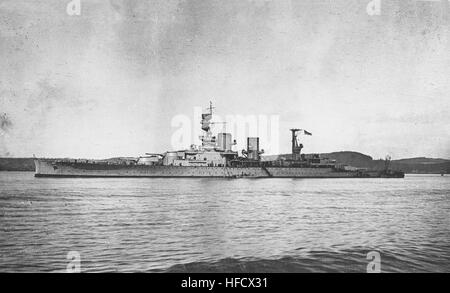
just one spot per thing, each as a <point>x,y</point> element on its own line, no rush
<point>243,137</point>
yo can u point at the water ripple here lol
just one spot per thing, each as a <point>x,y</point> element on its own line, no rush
<point>214,225</point>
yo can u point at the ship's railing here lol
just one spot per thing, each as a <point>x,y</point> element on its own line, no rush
<point>94,162</point>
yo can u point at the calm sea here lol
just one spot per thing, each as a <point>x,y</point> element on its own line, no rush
<point>224,225</point>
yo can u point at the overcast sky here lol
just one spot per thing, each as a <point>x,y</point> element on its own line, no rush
<point>110,81</point>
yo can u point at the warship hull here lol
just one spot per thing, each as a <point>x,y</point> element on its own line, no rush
<point>214,158</point>
<point>49,168</point>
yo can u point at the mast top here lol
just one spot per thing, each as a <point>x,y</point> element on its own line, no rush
<point>211,108</point>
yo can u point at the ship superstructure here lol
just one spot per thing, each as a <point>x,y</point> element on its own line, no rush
<point>214,157</point>
<point>213,151</point>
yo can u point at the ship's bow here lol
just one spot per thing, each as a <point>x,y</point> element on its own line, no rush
<point>43,168</point>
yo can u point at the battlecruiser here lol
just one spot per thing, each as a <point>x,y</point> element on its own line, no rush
<point>213,158</point>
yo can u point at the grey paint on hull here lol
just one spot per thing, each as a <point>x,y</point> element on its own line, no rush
<point>48,168</point>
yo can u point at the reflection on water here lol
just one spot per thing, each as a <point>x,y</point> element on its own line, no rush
<point>213,225</point>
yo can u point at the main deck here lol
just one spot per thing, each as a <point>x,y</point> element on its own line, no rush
<point>48,168</point>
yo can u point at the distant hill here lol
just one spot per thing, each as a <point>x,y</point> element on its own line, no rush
<point>426,167</point>
<point>16,164</point>
<point>422,160</point>
<point>355,159</point>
